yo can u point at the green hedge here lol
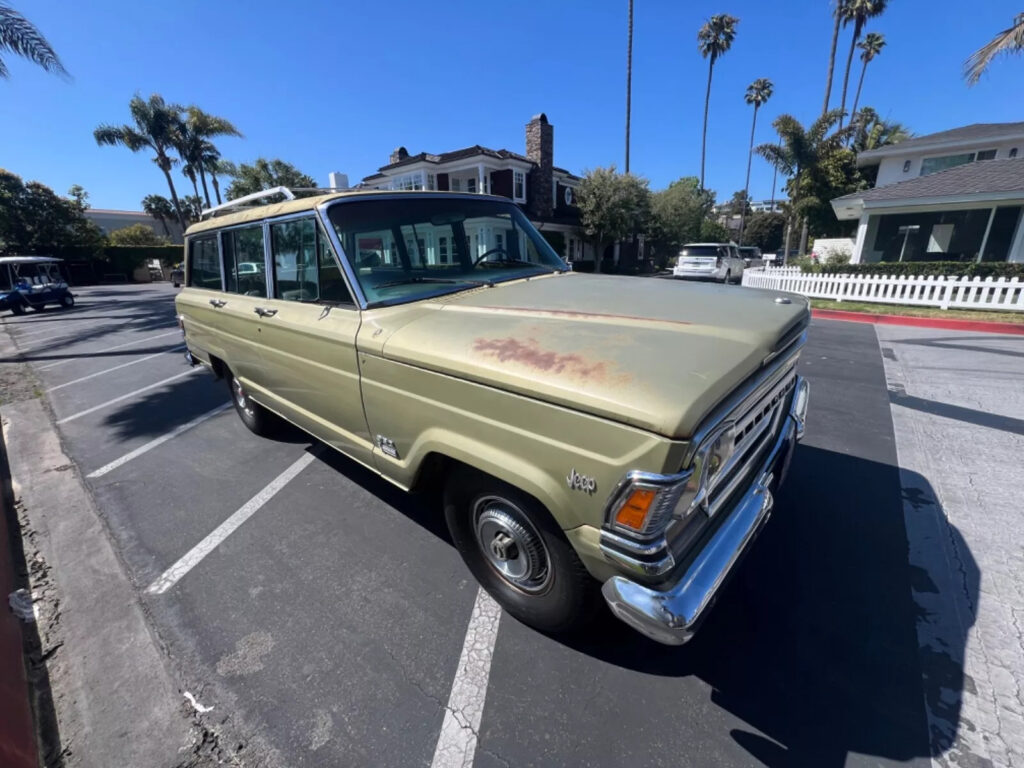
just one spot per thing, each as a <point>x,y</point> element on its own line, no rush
<point>919,268</point>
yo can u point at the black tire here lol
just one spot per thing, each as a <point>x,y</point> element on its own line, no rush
<point>18,308</point>
<point>258,419</point>
<point>559,597</point>
<point>728,274</point>
<point>37,307</point>
<point>176,285</point>
<point>67,301</point>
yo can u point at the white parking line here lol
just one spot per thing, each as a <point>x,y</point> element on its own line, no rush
<point>108,349</point>
<point>71,336</point>
<point>194,556</point>
<point>115,368</point>
<point>457,743</point>
<point>139,391</point>
<point>158,441</point>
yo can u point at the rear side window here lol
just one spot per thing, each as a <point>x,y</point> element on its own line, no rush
<point>304,265</point>
<point>244,267</point>
<point>204,263</point>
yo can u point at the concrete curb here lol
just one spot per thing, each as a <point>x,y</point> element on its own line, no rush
<point>1016,329</point>
<point>115,700</point>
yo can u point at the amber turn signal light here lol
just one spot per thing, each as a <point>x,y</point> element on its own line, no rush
<point>633,513</point>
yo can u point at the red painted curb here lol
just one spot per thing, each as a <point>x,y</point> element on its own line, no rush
<point>1016,329</point>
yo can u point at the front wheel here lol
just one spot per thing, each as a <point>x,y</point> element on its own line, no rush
<point>67,300</point>
<point>518,554</point>
<point>728,277</point>
<point>257,418</point>
<point>18,308</point>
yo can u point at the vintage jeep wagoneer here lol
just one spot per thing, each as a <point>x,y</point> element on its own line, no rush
<point>593,435</point>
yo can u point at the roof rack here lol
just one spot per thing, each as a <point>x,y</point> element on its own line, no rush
<point>241,202</point>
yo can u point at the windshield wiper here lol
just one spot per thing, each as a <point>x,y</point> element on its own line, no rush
<point>513,262</point>
<point>418,279</point>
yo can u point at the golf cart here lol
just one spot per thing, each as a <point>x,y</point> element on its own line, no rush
<point>33,282</point>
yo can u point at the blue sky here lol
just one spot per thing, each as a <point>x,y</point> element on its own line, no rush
<point>337,85</point>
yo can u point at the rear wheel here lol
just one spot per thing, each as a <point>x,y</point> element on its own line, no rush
<point>518,554</point>
<point>67,300</point>
<point>18,308</point>
<point>257,418</point>
<point>728,277</point>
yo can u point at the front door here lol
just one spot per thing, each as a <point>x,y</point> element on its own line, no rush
<point>308,338</point>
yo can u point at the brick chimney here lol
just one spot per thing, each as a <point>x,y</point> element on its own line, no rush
<point>398,155</point>
<point>540,148</point>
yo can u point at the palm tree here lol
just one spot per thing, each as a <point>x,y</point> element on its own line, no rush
<point>189,172</point>
<point>799,154</point>
<point>870,46</point>
<point>838,15</point>
<point>1008,41</point>
<point>216,167</point>
<point>160,208</point>
<point>629,79</point>
<point>20,36</point>
<point>857,12</point>
<point>758,92</point>
<point>156,128</point>
<point>872,132</point>
<point>713,40</point>
<point>193,142</point>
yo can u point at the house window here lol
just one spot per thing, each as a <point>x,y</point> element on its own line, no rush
<point>431,181</point>
<point>471,185</point>
<point>934,164</point>
<point>1013,152</point>
<point>455,184</point>
<point>906,166</point>
<point>519,185</point>
<point>988,154</point>
<point>408,181</point>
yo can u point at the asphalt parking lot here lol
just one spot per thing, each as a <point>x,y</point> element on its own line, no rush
<point>331,621</point>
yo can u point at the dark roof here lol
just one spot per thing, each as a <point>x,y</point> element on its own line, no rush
<point>458,154</point>
<point>969,133</point>
<point>985,176</point>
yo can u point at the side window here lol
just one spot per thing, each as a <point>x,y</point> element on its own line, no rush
<point>332,282</point>
<point>244,265</point>
<point>294,255</point>
<point>204,262</point>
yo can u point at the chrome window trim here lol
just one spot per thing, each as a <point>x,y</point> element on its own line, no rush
<point>220,232</point>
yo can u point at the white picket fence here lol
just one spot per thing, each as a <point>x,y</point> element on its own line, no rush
<point>931,291</point>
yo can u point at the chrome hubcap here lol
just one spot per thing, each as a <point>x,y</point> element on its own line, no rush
<point>242,399</point>
<point>511,544</point>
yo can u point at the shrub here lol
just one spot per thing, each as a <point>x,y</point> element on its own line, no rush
<point>994,269</point>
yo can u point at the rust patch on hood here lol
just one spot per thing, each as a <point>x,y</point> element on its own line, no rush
<point>578,315</point>
<point>528,353</point>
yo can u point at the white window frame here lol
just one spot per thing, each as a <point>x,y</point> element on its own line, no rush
<point>519,177</point>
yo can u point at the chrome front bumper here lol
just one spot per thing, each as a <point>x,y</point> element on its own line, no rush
<point>671,615</point>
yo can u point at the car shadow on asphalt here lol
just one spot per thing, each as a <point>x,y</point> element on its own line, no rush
<point>959,413</point>
<point>813,644</point>
<point>956,342</point>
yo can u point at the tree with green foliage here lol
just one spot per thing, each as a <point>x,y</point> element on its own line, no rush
<point>266,174</point>
<point>713,232</point>
<point>160,208</point>
<point>815,161</point>
<point>1010,40</point>
<point>613,206</point>
<point>676,215</point>
<point>870,47</point>
<point>192,208</point>
<point>766,231</point>
<point>216,166</point>
<point>758,93</point>
<point>80,197</point>
<point>713,40</point>
<point>35,220</point>
<point>195,148</point>
<point>136,234</point>
<point>857,12</point>
<point>156,127</point>
<point>872,132</point>
<point>20,36</point>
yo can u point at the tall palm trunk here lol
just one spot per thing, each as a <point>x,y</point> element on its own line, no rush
<point>704,136</point>
<point>174,196</point>
<point>856,98</point>
<point>163,223</point>
<point>216,186</point>
<point>746,187</point>
<point>629,79</point>
<point>849,64</point>
<point>206,192</point>
<point>195,187</point>
<point>831,63</point>
<point>803,237</point>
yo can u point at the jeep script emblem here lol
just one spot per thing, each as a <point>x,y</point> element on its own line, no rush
<point>578,482</point>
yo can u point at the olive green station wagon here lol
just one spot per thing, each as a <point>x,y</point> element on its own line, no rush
<point>593,435</point>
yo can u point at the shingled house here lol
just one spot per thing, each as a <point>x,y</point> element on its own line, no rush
<point>545,192</point>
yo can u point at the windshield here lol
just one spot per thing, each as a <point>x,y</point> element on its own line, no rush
<point>700,250</point>
<point>412,248</point>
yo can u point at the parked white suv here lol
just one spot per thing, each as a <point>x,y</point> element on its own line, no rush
<point>710,261</point>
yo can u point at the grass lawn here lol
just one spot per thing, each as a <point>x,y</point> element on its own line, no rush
<point>896,309</point>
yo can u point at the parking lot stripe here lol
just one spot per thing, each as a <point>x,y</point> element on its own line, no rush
<point>109,349</point>
<point>457,743</point>
<point>194,556</point>
<point>115,368</point>
<point>158,441</point>
<point>138,391</point>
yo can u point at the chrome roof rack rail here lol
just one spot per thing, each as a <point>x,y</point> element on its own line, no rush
<point>240,202</point>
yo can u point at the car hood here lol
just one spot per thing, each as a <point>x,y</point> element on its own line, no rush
<point>657,354</point>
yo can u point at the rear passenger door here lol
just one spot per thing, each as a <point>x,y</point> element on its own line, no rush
<point>245,283</point>
<point>308,337</point>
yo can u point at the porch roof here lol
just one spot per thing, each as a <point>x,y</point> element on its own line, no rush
<point>978,181</point>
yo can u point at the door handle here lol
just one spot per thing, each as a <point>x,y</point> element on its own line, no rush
<point>217,303</point>
<point>262,312</point>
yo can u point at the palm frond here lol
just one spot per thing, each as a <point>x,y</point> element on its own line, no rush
<point>1010,40</point>
<point>21,37</point>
